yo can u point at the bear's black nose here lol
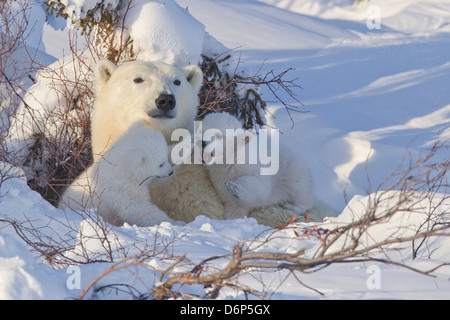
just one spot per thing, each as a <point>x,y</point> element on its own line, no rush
<point>165,102</point>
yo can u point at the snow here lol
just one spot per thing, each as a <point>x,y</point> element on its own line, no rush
<point>416,16</point>
<point>371,96</point>
<point>162,30</point>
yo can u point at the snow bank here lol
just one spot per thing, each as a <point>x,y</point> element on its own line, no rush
<point>29,45</point>
<point>414,215</point>
<point>22,277</point>
<point>282,29</point>
<point>416,16</point>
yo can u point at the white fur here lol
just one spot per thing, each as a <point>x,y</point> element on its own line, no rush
<point>242,188</point>
<point>116,185</point>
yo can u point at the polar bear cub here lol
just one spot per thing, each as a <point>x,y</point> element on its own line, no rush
<point>116,185</point>
<point>240,184</point>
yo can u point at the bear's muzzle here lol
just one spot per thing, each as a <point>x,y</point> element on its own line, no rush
<point>165,107</point>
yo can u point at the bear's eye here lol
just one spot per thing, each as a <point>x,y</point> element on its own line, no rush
<point>138,80</point>
<point>161,165</point>
<point>177,82</point>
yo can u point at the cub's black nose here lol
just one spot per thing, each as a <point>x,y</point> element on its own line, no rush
<point>165,102</point>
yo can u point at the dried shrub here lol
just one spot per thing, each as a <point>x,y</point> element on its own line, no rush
<point>231,90</point>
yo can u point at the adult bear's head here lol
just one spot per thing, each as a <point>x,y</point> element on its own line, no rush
<point>162,95</point>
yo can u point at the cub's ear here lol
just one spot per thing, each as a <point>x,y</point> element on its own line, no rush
<point>194,75</point>
<point>103,71</point>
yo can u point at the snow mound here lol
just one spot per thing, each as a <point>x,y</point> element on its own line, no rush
<point>162,30</point>
<point>416,213</point>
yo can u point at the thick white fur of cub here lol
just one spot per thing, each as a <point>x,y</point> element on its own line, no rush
<point>116,185</point>
<point>242,187</point>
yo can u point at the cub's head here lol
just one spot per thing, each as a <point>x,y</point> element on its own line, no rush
<point>164,96</point>
<point>223,139</point>
<point>141,154</point>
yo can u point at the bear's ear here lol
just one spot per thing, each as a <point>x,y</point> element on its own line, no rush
<point>195,76</point>
<point>103,71</point>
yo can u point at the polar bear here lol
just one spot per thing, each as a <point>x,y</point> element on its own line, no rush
<point>116,185</point>
<point>240,182</point>
<point>166,98</point>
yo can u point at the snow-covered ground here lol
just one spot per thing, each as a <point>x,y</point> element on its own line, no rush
<point>375,81</point>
